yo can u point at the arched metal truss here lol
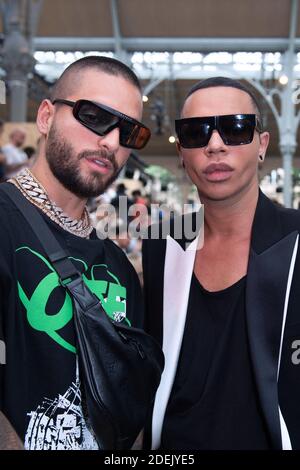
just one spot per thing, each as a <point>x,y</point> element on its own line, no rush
<point>156,60</point>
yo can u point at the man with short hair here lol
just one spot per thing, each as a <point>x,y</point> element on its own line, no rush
<point>226,311</point>
<point>88,129</point>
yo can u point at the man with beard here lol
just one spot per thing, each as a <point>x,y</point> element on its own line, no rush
<point>87,130</point>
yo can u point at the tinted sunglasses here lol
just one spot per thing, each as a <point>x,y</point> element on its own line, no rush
<point>234,129</point>
<point>101,119</point>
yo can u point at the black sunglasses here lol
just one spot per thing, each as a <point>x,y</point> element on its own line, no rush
<point>234,129</point>
<point>102,119</point>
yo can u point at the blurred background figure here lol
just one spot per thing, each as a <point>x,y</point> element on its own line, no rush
<point>31,155</point>
<point>15,157</point>
<point>138,198</point>
<point>121,190</point>
<point>132,247</point>
<point>2,157</point>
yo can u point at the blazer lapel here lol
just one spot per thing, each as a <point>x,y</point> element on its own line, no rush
<point>270,271</point>
<point>178,270</point>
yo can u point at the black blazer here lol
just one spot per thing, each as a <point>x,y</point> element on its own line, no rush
<point>272,312</point>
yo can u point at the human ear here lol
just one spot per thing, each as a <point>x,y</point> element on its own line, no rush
<point>264,138</point>
<point>45,117</point>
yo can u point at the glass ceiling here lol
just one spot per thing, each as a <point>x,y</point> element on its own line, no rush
<point>178,65</point>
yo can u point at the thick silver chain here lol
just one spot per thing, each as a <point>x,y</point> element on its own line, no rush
<point>32,189</point>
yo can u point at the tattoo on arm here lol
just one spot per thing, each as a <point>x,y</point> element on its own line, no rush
<point>9,440</point>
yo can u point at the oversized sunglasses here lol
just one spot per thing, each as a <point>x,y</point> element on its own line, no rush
<point>234,129</point>
<point>102,119</point>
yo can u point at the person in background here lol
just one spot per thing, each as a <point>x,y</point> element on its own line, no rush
<point>2,156</point>
<point>31,155</point>
<point>15,157</point>
<point>121,191</point>
<point>137,197</point>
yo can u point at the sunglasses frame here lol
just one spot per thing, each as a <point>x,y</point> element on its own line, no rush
<point>217,125</point>
<point>121,117</point>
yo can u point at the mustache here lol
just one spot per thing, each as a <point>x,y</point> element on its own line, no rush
<point>110,156</point>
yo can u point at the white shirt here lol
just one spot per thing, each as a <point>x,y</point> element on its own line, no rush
<point>13,156</point>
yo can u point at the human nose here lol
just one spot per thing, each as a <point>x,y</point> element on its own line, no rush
<point>110,141</point>
<point>215,143</point>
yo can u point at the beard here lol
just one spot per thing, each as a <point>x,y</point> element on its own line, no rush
<point>65,166</point>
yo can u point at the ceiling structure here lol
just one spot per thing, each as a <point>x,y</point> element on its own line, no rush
<point>171,44</point>
<point>145,23</point>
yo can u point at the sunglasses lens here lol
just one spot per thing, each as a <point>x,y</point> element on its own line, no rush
<point>95,118</point>
<point>102,121</point>
<point>133,135</point>
<point>193,132</point>
<point>236,130</point>
<point>142,137</point>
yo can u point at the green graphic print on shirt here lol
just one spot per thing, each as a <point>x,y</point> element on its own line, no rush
<point>109,291</point>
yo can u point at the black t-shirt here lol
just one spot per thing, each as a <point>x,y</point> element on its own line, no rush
<point>39,384</point>
<point>2,167</point>
<point>214,404</point>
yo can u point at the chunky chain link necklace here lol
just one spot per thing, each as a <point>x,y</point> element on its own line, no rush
<point>32,189</point>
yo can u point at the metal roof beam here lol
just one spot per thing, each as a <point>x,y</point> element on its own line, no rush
<point>164,44</point>
<point>116,28</point>
<point>288,129</point>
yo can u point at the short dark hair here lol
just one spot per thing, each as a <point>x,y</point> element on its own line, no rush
<point>105,64</point>
<point>227,82</point>
<point>29,150</point>
<point>136,193</point>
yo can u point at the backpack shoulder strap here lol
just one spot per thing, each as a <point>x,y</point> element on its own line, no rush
<point>56,254</point>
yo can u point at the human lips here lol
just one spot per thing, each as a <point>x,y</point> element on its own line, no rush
<point>218,171</point>
<point>101,164</point>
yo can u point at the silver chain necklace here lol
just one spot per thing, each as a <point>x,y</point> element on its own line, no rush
<point>32,189</point>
